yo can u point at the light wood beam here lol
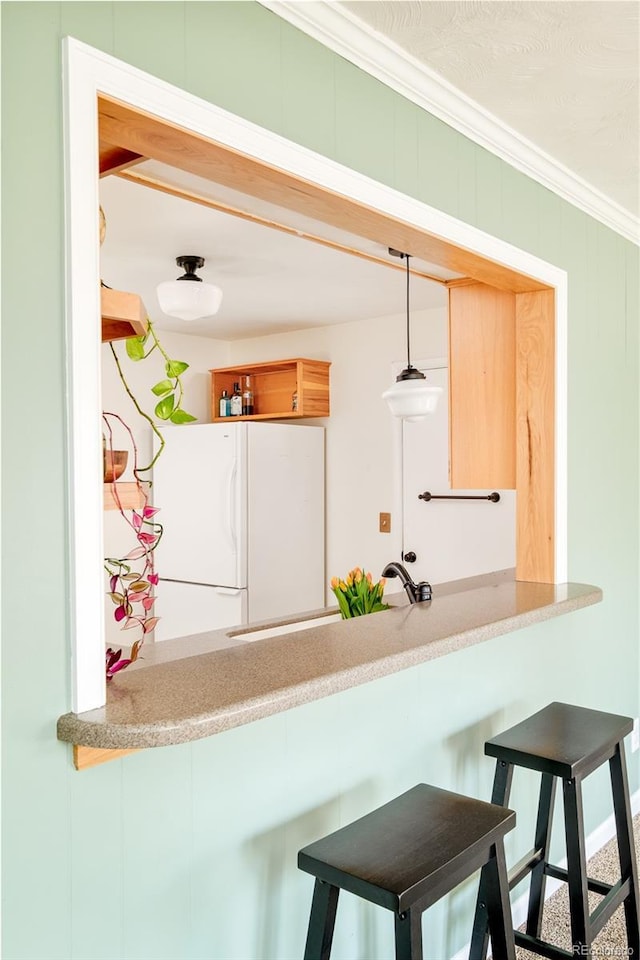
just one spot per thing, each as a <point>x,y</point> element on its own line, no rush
<point>156,139</point>
<point>153,183</point>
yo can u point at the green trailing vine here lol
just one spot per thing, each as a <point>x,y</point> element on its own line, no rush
<point>169,391</point>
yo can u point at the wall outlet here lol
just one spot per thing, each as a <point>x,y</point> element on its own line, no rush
<point>635,735</point>
<point>385,523</point>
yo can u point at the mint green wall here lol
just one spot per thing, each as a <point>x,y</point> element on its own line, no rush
<point>189,852</point>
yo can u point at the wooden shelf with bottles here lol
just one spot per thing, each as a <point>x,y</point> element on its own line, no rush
<point>123,315</point>
<point>274,385</point>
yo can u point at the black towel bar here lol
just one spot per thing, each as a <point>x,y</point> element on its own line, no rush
<point>493,497</point>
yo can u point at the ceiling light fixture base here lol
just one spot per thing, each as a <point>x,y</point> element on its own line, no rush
<point>190,265</point>
<point>410,373</point>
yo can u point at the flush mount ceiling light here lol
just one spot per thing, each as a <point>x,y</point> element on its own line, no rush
<point>188,297</point>
<point>411,397</point>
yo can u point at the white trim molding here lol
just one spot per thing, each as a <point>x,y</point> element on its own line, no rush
<point>89,72</point>
<point>347,35</point>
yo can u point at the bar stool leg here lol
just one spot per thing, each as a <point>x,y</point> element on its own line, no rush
<point>576,867</point>
<point>322,921</point>
<point>409,935</point>
<point>541,843</point>
<point>624,830</point>
<point>502,781</point>
<point>498,906</point>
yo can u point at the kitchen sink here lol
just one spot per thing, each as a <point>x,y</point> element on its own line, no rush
<point>263,633</point>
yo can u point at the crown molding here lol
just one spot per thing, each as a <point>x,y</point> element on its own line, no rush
<point>342,32</point>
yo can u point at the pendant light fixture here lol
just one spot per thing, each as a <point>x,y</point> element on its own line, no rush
<point>411,397</point>
<point>188,297</point>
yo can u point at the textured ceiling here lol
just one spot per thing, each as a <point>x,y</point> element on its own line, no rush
<point>565,75</point>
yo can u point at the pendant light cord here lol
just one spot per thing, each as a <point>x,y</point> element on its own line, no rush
<point>406,255</point>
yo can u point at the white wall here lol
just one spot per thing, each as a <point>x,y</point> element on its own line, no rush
<point>361,464</point>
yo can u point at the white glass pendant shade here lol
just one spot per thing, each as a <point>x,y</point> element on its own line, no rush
<point>189,299</point>
<point>412,399</point>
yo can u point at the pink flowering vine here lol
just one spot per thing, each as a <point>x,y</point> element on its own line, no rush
<point>132,578</point>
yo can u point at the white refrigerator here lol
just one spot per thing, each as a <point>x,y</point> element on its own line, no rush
<point>242,508</point>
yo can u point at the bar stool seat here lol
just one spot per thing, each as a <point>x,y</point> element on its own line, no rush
<point>405,856</point>
<point>566,743</point>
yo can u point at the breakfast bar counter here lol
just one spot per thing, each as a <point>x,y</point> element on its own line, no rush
<point>199,686</point>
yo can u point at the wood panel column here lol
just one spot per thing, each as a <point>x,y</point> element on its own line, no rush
<point>482,388</point>
<point>502,409</point>
<point>535,433</point>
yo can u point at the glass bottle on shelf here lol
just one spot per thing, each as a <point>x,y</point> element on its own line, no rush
<point>247,398</point>
<point>225,404</point>
<point>236,401</point>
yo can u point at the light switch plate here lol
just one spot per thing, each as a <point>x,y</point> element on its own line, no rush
<point>385,523</point>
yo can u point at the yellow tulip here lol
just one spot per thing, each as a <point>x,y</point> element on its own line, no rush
<point>334,582</point>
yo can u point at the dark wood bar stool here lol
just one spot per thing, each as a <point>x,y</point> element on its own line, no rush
<point>405,856</point>
<point>566,743</point>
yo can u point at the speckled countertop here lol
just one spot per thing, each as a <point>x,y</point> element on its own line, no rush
<point>217,681</point>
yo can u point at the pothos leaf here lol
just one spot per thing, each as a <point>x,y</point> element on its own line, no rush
<point>175,367</point>
<point>162,387</point>
<point>135,348</point>
<point>164,408</point>
<point>181,416</point>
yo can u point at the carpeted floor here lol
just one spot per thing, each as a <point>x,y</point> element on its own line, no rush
<point>612,940</point>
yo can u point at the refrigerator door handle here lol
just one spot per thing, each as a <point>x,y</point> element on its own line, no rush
<point>231,505</point>
<point>229,591</point>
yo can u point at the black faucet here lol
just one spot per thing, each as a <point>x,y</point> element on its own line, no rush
<point>417,592</point>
